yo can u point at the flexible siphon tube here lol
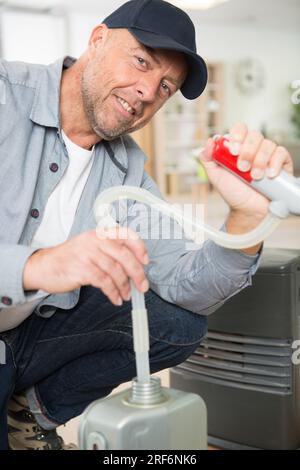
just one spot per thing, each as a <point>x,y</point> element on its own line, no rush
<point>139,312</point>
<point>236,242</point>
<point>140,334</point>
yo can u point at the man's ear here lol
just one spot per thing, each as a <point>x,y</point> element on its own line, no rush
<point>98,38</point>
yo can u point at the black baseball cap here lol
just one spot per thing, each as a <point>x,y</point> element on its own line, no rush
<point>160,25</point>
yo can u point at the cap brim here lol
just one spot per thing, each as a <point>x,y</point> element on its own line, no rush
<point>196,80</point>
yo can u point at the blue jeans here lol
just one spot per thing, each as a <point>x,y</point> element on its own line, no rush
<point>80,355</point>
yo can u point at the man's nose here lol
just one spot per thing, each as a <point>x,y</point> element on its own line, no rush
<point>147,88</point>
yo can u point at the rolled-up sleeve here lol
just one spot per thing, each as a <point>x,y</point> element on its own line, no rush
<point>217,274</point>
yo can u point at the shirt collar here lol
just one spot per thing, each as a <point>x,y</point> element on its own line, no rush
<point>46,106</point>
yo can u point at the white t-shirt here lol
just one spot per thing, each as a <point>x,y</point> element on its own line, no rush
<point>57,221</point>
<point>63,202</point>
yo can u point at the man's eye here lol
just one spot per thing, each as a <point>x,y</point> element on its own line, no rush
<point>165,88</point>
<point>141,61</point>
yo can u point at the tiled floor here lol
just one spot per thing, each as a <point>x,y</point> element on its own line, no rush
<point>286,236</point>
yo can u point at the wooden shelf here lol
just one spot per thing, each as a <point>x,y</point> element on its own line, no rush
<point>171,118</point>
<point>179,144</point>
<point>183,125</point>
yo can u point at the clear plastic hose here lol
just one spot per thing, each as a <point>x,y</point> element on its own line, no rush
<point>140,334</point>
<point>235,242</point>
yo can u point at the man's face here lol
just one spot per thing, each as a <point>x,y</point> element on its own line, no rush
<point>124,84</point>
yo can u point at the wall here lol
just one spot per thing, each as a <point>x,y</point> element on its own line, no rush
<point>81,26</point>
<point>278,51</point>
<point>36,38</point>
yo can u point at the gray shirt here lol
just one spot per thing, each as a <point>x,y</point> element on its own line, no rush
<point>33,159</point>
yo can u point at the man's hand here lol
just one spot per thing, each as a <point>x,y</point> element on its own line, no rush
<point>264,158</point>
<point>105,259</point>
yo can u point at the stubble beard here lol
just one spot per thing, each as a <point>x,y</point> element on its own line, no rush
<point>96,122</point>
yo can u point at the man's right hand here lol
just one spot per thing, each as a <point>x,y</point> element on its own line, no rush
<point>106,259</point>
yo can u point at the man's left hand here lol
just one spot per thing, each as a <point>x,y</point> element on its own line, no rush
<point>262,156</point>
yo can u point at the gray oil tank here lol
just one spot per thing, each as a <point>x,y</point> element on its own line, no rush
<point>146,417</point>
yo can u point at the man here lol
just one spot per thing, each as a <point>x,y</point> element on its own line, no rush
<point>65,315</point>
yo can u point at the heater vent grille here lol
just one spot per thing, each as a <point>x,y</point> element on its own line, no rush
<point>246,362</point>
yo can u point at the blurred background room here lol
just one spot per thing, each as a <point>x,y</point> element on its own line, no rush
<point>252,51</point>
